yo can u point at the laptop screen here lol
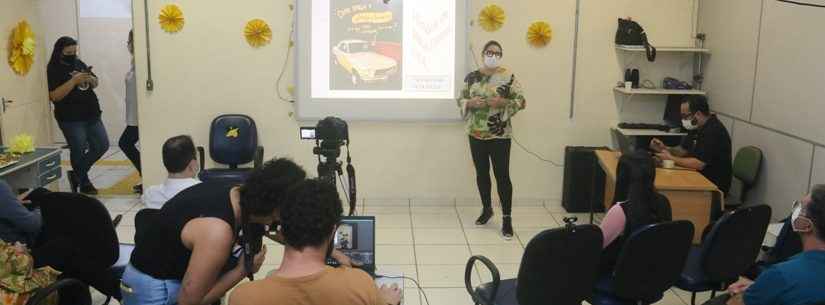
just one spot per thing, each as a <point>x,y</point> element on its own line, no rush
<point>356,238</point>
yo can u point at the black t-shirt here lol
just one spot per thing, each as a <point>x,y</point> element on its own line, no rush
<point>160,252</point>
<point>78,105</point>
<point>711,144</point>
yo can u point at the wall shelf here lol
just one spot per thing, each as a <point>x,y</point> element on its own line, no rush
<point>642,91</point>
<point>664,49</point>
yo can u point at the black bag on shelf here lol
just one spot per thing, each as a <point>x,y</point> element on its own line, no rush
<point>630,33</point>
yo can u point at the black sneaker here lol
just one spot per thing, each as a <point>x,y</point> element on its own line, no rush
<point>138,189</point>
<point>507,228</point>
<point>485,216</point>
<point>88,189</point>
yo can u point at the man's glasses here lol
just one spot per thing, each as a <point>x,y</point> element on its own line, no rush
<point>492,53</point>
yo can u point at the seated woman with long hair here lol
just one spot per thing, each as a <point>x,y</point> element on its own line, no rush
<point>637,205</point>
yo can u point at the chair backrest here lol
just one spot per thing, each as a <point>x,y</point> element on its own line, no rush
<point>85,222</point>
<point>652,259</point>
<point>233,139</point>
<point>788,244</point>
<point>560,266</point>
<point>144,219</point>
<point>734,242</point>
<point>747,165</point>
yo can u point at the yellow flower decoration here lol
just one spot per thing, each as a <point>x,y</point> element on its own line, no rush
<point>491,18</point>
<point>21,48</point>
<point>539,34</point>
<point>257,33</point>
<point>171,18</point>
<point>22,144</point>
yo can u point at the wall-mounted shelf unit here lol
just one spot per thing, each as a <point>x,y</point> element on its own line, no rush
<point>642,91</point>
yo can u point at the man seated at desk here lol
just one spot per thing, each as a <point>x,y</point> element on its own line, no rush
<point>706,148</point>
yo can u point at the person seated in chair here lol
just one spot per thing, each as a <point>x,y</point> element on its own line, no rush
<point>17,223</point>
<point>797,281</point>
<point>181,163</point>
<point>309,218</point>
<point>637,205</point>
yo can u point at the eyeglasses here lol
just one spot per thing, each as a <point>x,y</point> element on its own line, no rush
<point>493,53</point>
<point>798,205</point>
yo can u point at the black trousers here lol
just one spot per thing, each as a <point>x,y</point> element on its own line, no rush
<point>127,143</point>
<point>497,152</point>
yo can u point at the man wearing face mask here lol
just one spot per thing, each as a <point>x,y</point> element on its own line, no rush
<point>706,148</point>
<point>797,281</point>
<point>181,163</point>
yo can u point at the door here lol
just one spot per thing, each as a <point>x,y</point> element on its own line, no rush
<point>23,98</point>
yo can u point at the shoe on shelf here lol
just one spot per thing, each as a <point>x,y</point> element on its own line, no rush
<point>507,228</point>
<point>88,189</point>
<point>485,216</point>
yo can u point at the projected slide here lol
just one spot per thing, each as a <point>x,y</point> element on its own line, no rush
<point>383,49</point>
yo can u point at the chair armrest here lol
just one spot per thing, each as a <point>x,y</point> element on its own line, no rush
<point>201,157</point>
<point>259,157</point>
<point>493,270</point>
<point>41,294</point>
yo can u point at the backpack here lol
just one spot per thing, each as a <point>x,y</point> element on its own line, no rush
<point>630,33</point>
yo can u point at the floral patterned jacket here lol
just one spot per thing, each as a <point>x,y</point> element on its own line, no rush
<point>491,123</point>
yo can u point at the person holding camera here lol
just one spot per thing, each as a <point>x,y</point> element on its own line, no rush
<point>310,215</point>
<point>77,111</point>
<point>490,98</point>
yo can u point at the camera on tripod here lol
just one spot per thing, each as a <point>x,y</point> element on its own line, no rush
<point>330,134</point>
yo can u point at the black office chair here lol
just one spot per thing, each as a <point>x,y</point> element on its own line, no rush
<point>729,249</point>
<point>233,141</point>
<point>559,266</point>
<point>94,254</point>
<point>649,264</point>
<point>788,244</point>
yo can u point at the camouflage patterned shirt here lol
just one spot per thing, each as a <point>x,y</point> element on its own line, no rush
<point>491,123</point>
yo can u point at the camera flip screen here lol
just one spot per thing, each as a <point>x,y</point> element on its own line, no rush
<point>307,133</point>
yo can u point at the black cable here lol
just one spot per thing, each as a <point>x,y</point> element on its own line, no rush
<point>427,301</point>
<point>291,44</point>
<point>802,3</point>
<point>343,189</point>
<point>535,154</point>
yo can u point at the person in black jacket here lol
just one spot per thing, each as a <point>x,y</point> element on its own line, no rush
<point>77,111</point>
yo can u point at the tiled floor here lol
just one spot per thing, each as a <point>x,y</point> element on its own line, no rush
<point>428,240</point>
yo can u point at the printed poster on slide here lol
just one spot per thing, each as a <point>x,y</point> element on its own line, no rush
<point>385,49</point>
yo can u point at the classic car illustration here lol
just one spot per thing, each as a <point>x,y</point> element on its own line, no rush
<point>363,62</point>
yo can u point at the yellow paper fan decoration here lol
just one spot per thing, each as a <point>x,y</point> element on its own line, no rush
<point>257,33</point>
<point>21,48</point>
<point>539,34</point>
<point>171,18</point>
<point>491,18</point>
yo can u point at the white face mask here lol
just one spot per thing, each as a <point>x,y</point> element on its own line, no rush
<point>794,217</point>
<point>688,124</point>
<point>492,61</point>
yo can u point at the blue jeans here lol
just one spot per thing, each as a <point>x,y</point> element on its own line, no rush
<point>143,289</point>
<point>87,143</point>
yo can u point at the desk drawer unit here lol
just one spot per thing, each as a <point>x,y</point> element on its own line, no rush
<point>50,176</point>
<point>48,164</point>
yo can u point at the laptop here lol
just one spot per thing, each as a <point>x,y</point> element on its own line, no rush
<point>356,238</point>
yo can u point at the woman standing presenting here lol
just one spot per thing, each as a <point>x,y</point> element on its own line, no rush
<point>76,108</point>
<point>491,97</point>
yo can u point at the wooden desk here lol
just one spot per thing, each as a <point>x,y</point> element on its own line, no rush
<point>37,169</point>
<point>689,192</point>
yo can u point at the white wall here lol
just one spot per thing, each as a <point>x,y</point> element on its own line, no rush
<point>207,70</point>
<point>759,99</point>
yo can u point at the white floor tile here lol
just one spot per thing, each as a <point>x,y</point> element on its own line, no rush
<point>387,236</point>
<point>499,254</point>
<point>554,206</point>
<point>434,202</point>
<point>125,234</point>
<point>442,255</point>
<point>506,271</point>
<point>442,276</point>
<point>448,296</point>
<point>487,236</point>
<point>393,221</point>
<point>525,235</point>
<point>424,210</point>
<point>435,221</point>
<point>128,218</point>
<point>407,270</point>
<point>384,210</point>
<point>118,205</point>
<point>386,201</point>
<point>441,236</point>
<point>394,255</point>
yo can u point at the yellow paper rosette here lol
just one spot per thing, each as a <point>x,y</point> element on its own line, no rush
<point>22,144</point>
<point>491,18</point>
<point>21,48</point>
<point>539,34</point>
<point>171,18</point>
<point>257,33</point>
